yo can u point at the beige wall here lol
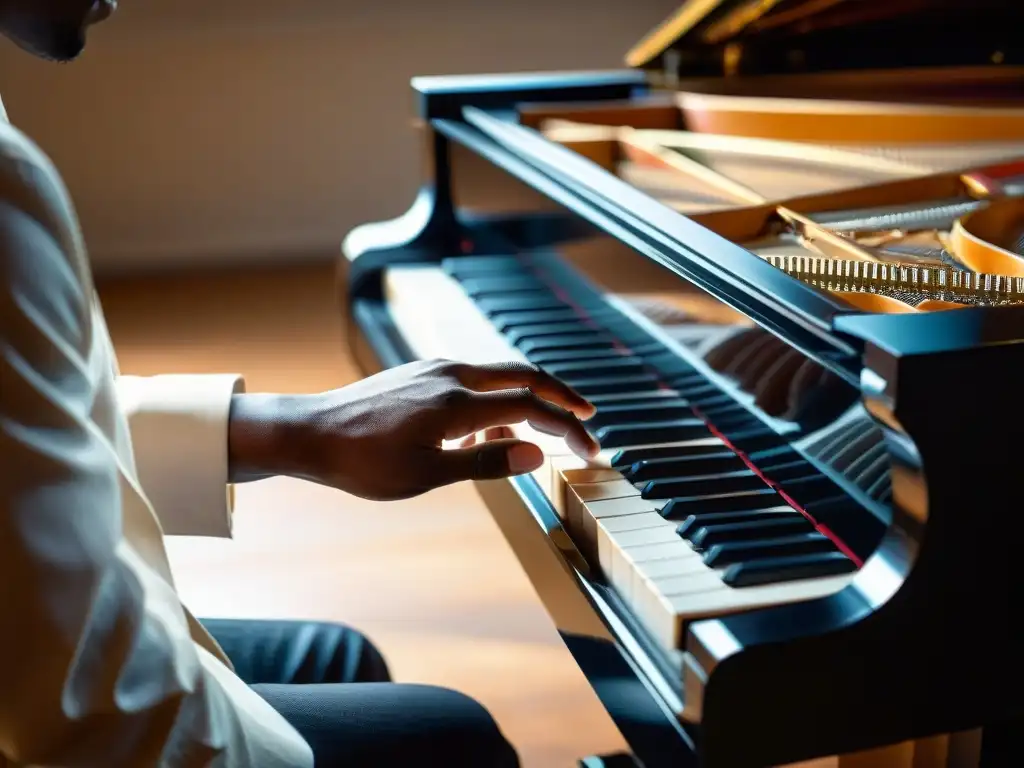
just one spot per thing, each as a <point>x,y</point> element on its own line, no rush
<point>230,129</point>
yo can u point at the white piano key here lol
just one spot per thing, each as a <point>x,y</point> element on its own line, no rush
<point>567,471</point>
<point>633,546</point>
<point>609,530</point>
<point>581,495</point>
<point>655,570</point>
<point>666,616</point>
<point>584,525</point>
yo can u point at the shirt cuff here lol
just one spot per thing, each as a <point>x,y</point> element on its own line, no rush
<point>179,433</point>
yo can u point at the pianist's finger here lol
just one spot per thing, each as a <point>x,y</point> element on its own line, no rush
<point>514,374</point>
<point>491,460</point>
<point>513,406</point>
<point>493,433</point>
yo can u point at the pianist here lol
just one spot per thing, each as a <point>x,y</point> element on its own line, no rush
<point>100,664</point>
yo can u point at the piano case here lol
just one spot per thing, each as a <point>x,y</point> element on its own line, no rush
<point>760,130</point>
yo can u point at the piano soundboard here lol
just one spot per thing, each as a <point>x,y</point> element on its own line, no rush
<point>789,273</point>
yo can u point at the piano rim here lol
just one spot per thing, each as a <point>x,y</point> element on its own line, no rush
<point>375,344</point>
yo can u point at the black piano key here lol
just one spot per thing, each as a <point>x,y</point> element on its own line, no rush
<point>722,555</point>
<point>545,358</point>
<point>693,523</point>
<point>749,501</point>
<point>734,422</point>
<point>465,266</point>
<point>699,388</point>
<point>589,304</point>
<point>650,397</point>
<point>754,530</point>
<point>478,291</point>
<point>806,490</point>
<point>630,456</point>
<point>785,473</point>
<point>703,485</point>
<point>770,457</point>
<point>777,570</point>
<point>644,350</point>
<point>752,440</point>
<point>670,365</point>
<point>688,375</point>
<point>575,343</point>
<point>524,333</point>
<point>681,466</point>
<point>624,325</point>
<point>499,304</point>
<point>846,518</point>
<point>724,408</point>
<point>506,321</point>
<point>480,287</point>
<point>671,431</point>
<point>608,385</point>
<point>637,340</point>
<point>710,397</point>
<point>726,413</point>
<point>623,365</point>
<point>638,413</point>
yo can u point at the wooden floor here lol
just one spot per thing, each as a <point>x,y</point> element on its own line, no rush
<point>431,580</point>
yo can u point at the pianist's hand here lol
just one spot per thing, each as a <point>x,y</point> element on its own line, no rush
<point>381,438</point>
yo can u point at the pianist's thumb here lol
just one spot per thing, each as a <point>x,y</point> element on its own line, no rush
<point>490,460</point>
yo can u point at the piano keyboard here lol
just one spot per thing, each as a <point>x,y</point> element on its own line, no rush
<point>695,507</point>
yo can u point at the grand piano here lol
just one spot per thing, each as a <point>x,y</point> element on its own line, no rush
<point>783,252</point>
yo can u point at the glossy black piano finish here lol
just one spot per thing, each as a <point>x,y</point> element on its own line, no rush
<point>923,641</point>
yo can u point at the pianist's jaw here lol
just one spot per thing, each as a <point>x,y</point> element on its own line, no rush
<point>52,29</point>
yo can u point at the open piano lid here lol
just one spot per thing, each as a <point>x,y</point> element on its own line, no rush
<point>774,37</point>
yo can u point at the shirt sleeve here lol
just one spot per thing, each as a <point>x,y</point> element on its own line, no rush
<point>96,661</point>
<point>179,433</point>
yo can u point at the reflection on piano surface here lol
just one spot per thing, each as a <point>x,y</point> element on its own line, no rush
<point>787,265</point>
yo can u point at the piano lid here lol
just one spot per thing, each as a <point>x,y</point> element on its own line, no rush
<point>774,37</point>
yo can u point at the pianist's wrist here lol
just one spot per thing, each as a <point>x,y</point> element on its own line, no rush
<point>381,438</point>
<point>265,436</point>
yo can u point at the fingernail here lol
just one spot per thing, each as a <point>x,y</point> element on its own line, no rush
<point>584,411</point>
<point>524,457</point>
